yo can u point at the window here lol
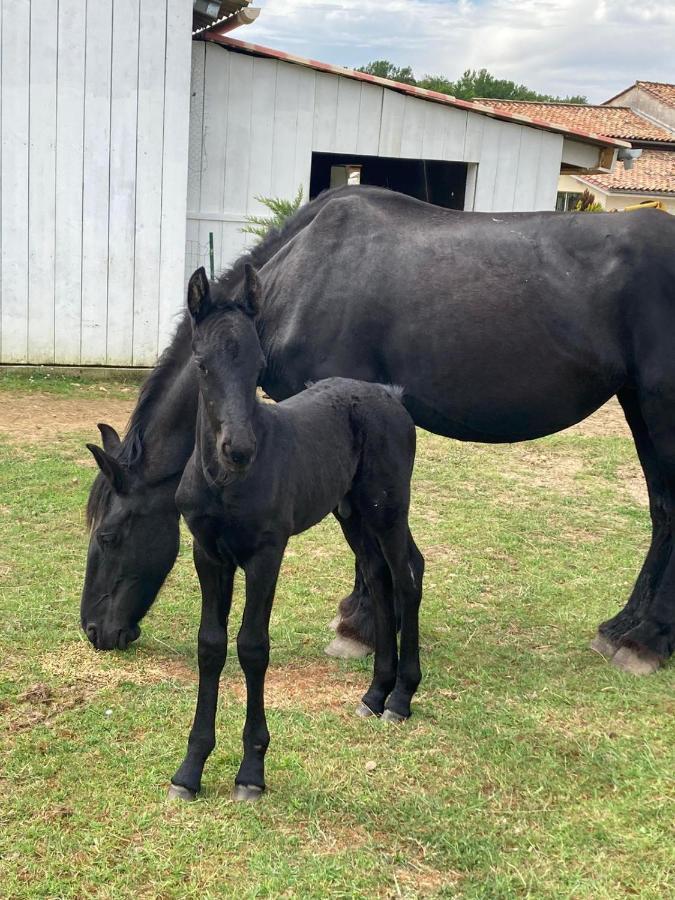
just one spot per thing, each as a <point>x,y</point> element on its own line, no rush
<point>567,200</point>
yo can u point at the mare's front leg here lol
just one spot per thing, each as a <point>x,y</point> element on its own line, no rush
<point>253,648</point>
<point>216,580</point>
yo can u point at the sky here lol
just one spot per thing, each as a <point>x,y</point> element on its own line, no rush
<point>591,47</point>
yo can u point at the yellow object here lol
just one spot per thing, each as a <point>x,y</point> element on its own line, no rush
<point>646,204</point>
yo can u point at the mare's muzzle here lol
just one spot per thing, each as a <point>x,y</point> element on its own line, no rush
<point>111,638</point>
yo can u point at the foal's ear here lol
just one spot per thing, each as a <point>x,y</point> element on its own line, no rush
<point>112,470</point>
<point>198,294</point>
<point>252,291</point>
<point>111,439</point>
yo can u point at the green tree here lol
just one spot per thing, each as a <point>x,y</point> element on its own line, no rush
<point>382,68</point>
<point>472,83</point>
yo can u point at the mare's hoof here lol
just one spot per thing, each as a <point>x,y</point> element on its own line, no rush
<point>178,792</point>
<point>635,662</point>
<point>347,648</point>
<point>604,646</point>
<point>365,712</point>
<point>246,793</point>
<point>333,624</point>
<point>390,716</point>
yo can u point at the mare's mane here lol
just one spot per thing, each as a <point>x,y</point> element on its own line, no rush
<point>224,291</point>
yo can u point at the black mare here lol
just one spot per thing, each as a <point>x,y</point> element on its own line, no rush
<point>260,473</point>
<point>499,327</point>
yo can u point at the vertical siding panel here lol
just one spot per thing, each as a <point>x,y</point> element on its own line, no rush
<point>487,167</point>
<point>507,167</point>
<point>198,50</point>
<point>42,181</point>
<point>150,140</point>
<point>174,165</point>
<point>433,135</point>
<point>370,116</point>
<point>347,120</point>
<point>414,112</point>
<point>391,129</point>
<point>96,184</point>
<point>236,149</point>
<point>548,170</point>
<point>285,123</point>
<point>216,84</point>
<point>454,135</point>
<point>69,150</point>
<point>123,121</point>
<point>325,113</point>
<point>526,184</point>
<point>473,139</point>
<point>303,131</point>
<point>14,60</point>
<point>263,90</point>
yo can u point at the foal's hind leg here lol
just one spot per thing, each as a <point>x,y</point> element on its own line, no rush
<point>641,635</point>
<point>406,565</point>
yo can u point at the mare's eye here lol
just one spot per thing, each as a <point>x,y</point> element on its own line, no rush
<point>106,538</point>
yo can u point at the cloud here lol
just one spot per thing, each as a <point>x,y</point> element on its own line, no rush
<point>592,47</point>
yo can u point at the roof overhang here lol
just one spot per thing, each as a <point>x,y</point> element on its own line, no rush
<point>221,16</point>
<point>579,136</point>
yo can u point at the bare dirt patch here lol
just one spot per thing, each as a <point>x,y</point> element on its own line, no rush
<point>608,421</point>
<point>632,483</point>
<point>41,417</point>
<point>311,686</point>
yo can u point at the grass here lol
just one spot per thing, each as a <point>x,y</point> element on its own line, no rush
<point>531,768</point>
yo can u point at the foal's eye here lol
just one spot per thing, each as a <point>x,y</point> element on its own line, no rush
<point>201,365</point>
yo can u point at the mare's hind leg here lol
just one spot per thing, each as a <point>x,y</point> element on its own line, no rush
<point>641,636</point>
<point>354,624</point>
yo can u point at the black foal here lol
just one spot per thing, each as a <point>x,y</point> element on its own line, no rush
<point>260,473</point>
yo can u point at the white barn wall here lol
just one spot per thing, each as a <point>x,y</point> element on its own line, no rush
<point>255,121</point>
<point>94,105</point>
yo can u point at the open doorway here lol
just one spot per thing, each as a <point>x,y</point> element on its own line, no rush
<point>439,182</point>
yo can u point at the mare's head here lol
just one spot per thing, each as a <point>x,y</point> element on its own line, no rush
<point>229,361</point>
<point>132,547</point>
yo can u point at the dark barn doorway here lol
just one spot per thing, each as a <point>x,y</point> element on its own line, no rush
<point>442,183</point>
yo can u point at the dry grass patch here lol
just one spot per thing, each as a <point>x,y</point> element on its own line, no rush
<point>632,482</point>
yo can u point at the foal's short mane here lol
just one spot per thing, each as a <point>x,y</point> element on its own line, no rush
<point>224,291</point>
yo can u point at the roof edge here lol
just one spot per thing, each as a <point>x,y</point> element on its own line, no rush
<point>413,91</point>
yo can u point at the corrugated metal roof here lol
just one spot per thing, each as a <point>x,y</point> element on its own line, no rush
<point>414,91</point>
<point>207,13</point>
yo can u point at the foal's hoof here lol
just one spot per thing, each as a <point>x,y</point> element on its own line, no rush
<point>347,648</point>
<point>390,716</point>
<point>246,793</point>
<point>178,792</point>
<point>364,712</point>
<point>636,663</point>
<point>604,646</point>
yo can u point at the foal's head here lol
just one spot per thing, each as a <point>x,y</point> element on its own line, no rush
<point>229,360</point>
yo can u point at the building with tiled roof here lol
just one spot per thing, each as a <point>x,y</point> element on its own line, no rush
<point>652,175</point>
<point>653,98</point>
<point>613,121</point>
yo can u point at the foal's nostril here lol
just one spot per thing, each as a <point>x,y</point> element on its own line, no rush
<point>239,457</point>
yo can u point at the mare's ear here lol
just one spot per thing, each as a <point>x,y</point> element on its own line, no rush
<point>198,294</point>
<point>112,470</point>
<point>111,439</point>
<point>252,291</point>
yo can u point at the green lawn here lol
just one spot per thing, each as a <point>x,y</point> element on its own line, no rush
<point>531,768</point>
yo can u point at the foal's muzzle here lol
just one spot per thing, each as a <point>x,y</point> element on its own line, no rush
<point>237,457</point>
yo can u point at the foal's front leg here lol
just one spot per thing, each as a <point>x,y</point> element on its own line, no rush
<point>253,647</point>
<point>216,580</point>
